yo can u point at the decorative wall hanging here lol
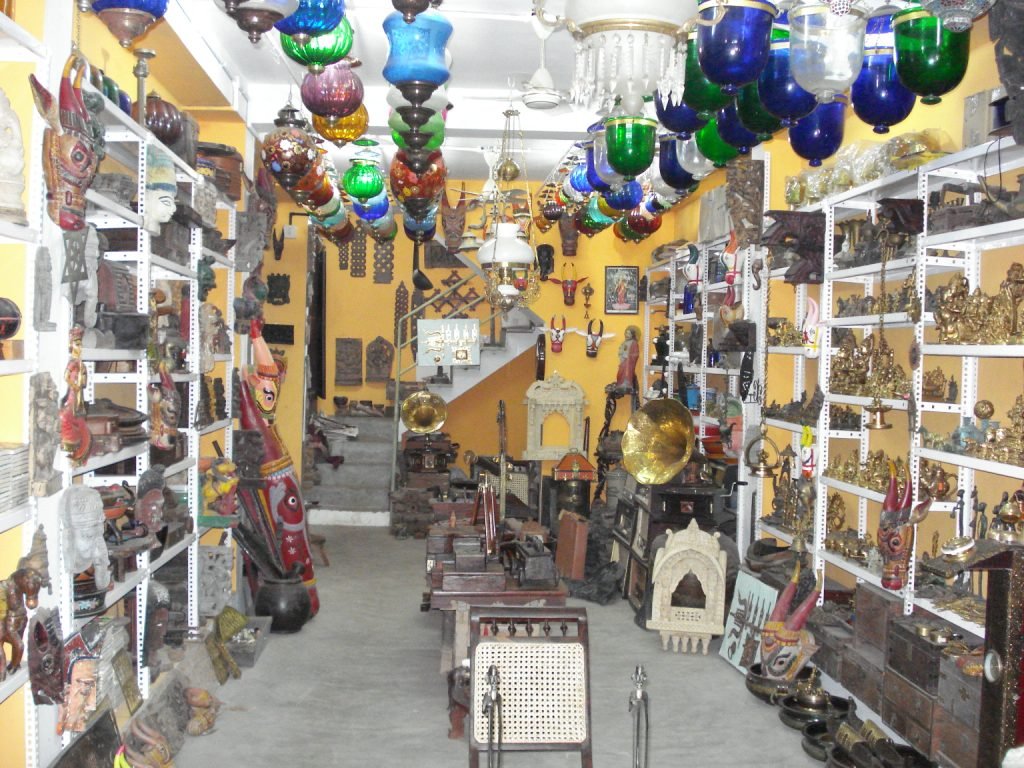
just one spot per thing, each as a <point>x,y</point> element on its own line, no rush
<point>348,362</point>
<point>569,235</point>
<point>278,243</point>
<point>279,334</point>
<point>344,250</point>
<point>621,290</point>
<point>595,335</point>
<point>43,292</point>
<point>451,305</point>
<point>744,183</point>
<point>357,253</point>
<point>448,342</point>
<point>401,307</point>
<point>44,436</point>
<point>380,355</point>
<point>453,222</point>
<point>436,256</point>
<point>553,396</point>
<point>278,286</point>
<point>752,603</point>
<point>569,283</point>
<point>384,262</point>
<point>75,269</point>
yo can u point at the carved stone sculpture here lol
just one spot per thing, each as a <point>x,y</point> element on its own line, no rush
<point>44,420</point>
<point>12,164</point>
<point>81,510</point>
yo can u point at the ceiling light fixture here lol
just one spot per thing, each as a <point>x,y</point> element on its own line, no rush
<point>255,17</point>
<point>128,19</point>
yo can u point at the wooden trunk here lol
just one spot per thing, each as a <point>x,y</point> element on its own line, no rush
<point>913,656</point>
<point>954,744</point>
<point>490,580</point>
<point>908,710</point>
<point>832,639</point>
<point>571,556</point>
<point>959,694</point>
<point>874,607</point>
<point>861,672</point>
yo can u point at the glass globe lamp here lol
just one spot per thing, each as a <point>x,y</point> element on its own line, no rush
<point>826,49</point>
<point>288,151</point>
<point>669,170</point>
<point>624,197</point>
<point>552,210</point>
<point>713,146</point>
<point>129,19</point>
<point>692,160</point>
<point>753,115</point>
<point>930,59</point>
<point>364,179</point>
<point>676,115</point>
<point>256,17</point>
<point>569,195</point>
<point>335,92</point>
<point>732,130</point>
<point>320,50</point>
<point>372,209</point>
<point>877,95</point>
<point>578,178</point>
<point>341,130</point>
<point>820,134</point>
<point>699,93</point>
<point>593,219</point>
<point>642,222</point>
<point>630,143</point>
<point>313,17</point>
<point>777,89</point>
<point>416,62</point>
<point>407,183</point>
<point>607,175</point>
<point>734,50</point>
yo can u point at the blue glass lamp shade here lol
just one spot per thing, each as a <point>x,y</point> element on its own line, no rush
<point>732,130</point>
<point>129,19</point>
<point>819,134</point>
<point>421,229</point>
<point>676,116</point>
<point>734,50</point>
<point>156,8</point>
<point>372,209</point>
<point>672,173</point>
<point>877,95</point>
<point>416,54</point>
<point>578,179</point>
<point>625,197</point>
<point>778,90</point>
<point>313,17</point>
<point>596,182</point>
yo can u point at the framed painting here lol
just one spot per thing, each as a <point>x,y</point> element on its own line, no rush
<point>752,603</point>
<point>621,290</point>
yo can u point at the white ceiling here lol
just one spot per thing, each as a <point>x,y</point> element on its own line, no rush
<point>492,45</point>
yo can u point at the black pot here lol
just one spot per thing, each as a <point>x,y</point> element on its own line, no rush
<point>286,601</point>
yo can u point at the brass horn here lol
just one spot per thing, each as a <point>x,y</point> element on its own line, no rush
<point>658,441</point>
<point>424,412</point>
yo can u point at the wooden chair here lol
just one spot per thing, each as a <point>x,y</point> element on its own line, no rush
<point>541,660</point>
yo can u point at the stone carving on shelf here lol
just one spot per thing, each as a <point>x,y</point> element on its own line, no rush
<point>688,603</point>
<point>81,512</point>
<point>745,198</point>
<point>43,292</point>
<point>380,356</point>
<point>348,362</point>
<point>12,164</point>
<point>44,435</point>
<point>161,189</point>
<point>556,395</point>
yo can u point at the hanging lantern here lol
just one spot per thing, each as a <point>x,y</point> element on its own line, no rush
<point>820,134</point>
<point>364,179</point>
<point>669,169</point>
<point>320,50</point>
<point>593,177</point>
<point>878,97</point>
<point>753,115</point>
<point>733,50</point>
<point>434,140</point>
<point>642,222</point>
<point>607,175</point>
<point>692,161</point>
<point>385,228</point>
<point>592,220</point>
<point>578,179</point>
<point>630,142</point>
<point>438,101</point>
<point>957,15</point>
<point>328,209</point>
<point>406,183</point>
<point>732,130</point>
<point>930,59</point>
<point>256,17</point>
<point>552,210</point>
<point>313,17</point>
<point>129,19</point>
<point>288,151</point>
<point>335,92</point>
<point>374,208</point>
<point>676,115</point>
<point>341,130</point>
<point>699,93</point>
<point>624,197</point>
<point>416,56</point>
<point>419,229</point>
<point>427,136</point>
<point>826,49</point>
<point>780,93</point>
<point>713,146</point>
<point>625,233</point>
<point>569,195</point>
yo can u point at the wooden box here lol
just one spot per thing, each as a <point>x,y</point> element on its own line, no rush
<point>862,671</point>
<point>226,162</point>
<point>959,694</point>
<point>832,639</point>
<point>954,744</point>
<point>490,580</point>
<point>571,555</point>
<point>873,609</point>
<point>912,655</point>
<point>916,704</point>
<point>917,735</point>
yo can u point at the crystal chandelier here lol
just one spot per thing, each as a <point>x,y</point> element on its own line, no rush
<point>506,256</point>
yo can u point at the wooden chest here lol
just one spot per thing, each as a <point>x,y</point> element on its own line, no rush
<point>908,710</point>
<point>954,744</point>
<point>959,694</point>
<point>440,538</point>
<point>832,639</point>
<point>874,607</point>
<point>571,555</point>
<point>862,671</point>
<point>490,580</point>
<point>913,655</point>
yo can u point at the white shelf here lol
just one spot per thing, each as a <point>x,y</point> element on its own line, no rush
<point>117,591</point>
<point>106,459</point>
<point>17,44</point>
<point>974,350</point>
<point>106,214</point>
<point>896,405</point>
<point>13,367</point>
<point>180,377</point>
<point>845,434</point>
<point>892,320</point>
<point>927,406</point>
<point>170,270</point>
<point>972,462</point>
<point>660,301</point>
<point>186,463</point>
<point>17,233</point>
<point>721,285</point>
<point>776,533</point>
<point>12,518</point>
<point>952,618</point>
<point>169,554</point>
<point>217,426</point>
<point>95,354</point>
<point>856,490</point>
<point>16,681</point>
<point>219,258</point>
<point>868,272</point>
<point>789,426</point>
<point>855,569</point>
<point>665,266</point>
<point>786,350</point>
<point>1001,235</point>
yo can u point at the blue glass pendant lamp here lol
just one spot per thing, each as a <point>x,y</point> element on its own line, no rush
<point>778,90</point>
<point>877,95</point>
<point>313,17</point>
<point>732,130</point>
<point>676,116</point>
<point>820,134</point>
<point>734,50</point>
<point>129,19</point>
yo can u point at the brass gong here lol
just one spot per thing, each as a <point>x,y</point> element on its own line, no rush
<point>658,441</point>
<point>424,411</point>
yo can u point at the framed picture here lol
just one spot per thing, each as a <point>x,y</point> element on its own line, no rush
<point>621,295</point>
<point>752,603</point>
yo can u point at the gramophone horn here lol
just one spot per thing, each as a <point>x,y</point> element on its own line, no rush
<point>424,411</point>
<point>658,441</point>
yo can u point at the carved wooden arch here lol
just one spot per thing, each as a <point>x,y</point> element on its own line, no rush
<point>543,398</point>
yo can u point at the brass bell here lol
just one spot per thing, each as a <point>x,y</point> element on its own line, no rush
<point>764,466</point>
<point>877,418</point>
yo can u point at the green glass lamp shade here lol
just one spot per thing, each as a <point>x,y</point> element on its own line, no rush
<point>753,115</point>
<point>435,142</point>
<point>713,146</point>
<point>434,124</point>
<point>363,180</point>
<point>699,93</point>
<point>626,233</point>
<point>320,50</point>
<point>593,218</point>
<point>930,59</point>
<point>342,130</point>
<point>630,142</point>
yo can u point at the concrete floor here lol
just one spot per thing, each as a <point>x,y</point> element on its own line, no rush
<point>360,685</point>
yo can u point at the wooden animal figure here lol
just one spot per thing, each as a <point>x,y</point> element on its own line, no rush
<point>278,243</point>
<point>20,592</point>
<point>595,337</point>
<point>557,334</point>
<point>569,285</point>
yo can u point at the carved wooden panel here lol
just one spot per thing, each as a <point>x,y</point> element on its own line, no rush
<point>348,362</point>
<point>380,354</point>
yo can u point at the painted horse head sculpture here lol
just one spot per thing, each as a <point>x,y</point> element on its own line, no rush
<point>69,152</point>
<point>896,530</point>
<point>569,284</point>
<point>785,645</point>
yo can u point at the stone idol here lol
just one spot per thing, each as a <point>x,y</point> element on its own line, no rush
<point>12,165</point>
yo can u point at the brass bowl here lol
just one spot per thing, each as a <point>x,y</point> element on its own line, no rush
<point>796,716</point>
<point>770,690</point>
<point>817,740</point>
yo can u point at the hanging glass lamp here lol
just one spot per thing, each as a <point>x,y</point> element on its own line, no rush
<point>669,169</point>
<point>698,92</point>
<point>732,130</point>
<point>624,197</point>
<point>364,179</point>
<point>957,15</point>
<point>676,115</point>
<point>713,146</point>
<point>820,134</point>
<point>578,178</point>
<point>592,220</point>
<point>372,209</point>
<point>416,55</point>
<point>320,50</point>
<point>313,17</point>
<point>257,17</point>
<point>877,95</point>
<point>288,151</point>
<point>129,19</point>
<point>930,59</point>
<point>778,91</point>
<point>602,168</point>
<point>826,49</point>
<point>630,142</point>
<point>733,50</point>
<point>596,182</point>
<point>692,160</point>
<point>753,115</point>
<point>407,183</point>
<point>341,130</point>
<point>335,92</point>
